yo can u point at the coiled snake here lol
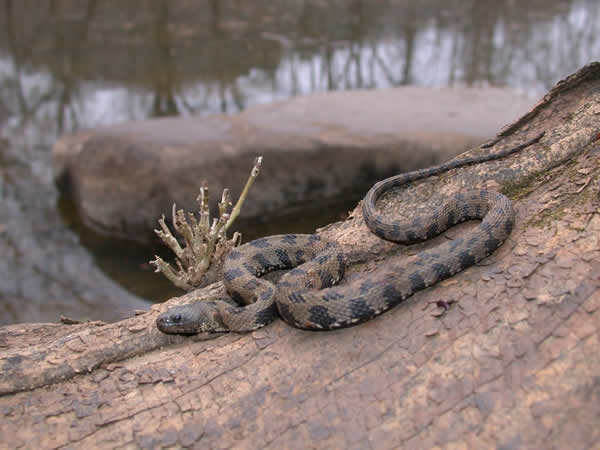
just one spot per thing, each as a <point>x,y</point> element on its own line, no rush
<point>306,296</point>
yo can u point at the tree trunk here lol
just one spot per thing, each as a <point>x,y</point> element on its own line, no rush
<point>512,362</point>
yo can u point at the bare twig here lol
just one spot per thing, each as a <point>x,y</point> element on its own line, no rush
<point>238,206</point>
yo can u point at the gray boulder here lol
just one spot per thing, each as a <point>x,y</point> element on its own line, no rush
<point>315,148</point>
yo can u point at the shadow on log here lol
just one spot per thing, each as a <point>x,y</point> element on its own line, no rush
<point>512,362</point>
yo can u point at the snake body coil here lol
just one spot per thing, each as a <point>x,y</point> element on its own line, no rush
<point>306,297</point>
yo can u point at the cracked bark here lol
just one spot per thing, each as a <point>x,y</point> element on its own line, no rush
<point>514,361</point>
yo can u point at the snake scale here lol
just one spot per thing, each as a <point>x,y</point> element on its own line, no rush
<point>307,296</point>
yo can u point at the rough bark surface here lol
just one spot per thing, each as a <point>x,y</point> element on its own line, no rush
<point>512,363</point>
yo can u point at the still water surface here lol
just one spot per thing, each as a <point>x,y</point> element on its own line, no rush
<point>73,64</point>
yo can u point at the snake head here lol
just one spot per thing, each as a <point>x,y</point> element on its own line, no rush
<point>194,318</point>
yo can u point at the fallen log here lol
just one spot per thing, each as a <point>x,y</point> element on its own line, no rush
<point>504,354</point>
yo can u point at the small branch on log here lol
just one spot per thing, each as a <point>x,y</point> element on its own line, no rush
<point>206,243</point>
<point>238,206</point>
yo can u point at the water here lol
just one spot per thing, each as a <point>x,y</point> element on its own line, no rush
<point>70,65</point>
<point>87,63</point>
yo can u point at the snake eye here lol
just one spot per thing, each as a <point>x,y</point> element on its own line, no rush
<point>176,317</point>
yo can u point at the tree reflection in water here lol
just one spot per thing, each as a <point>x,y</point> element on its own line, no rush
<point>85,63</point>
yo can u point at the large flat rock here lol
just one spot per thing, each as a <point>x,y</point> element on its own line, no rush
<point>315,149</point>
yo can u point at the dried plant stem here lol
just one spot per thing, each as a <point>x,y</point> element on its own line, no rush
<point>200,259</point>
<point>238,206</point>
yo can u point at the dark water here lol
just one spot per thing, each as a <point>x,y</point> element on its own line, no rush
<point>69,65</point>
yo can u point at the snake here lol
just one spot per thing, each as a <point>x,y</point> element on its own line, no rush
<point>309,297</point>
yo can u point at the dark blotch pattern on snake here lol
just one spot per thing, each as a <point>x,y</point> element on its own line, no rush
<point>307,297</point>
